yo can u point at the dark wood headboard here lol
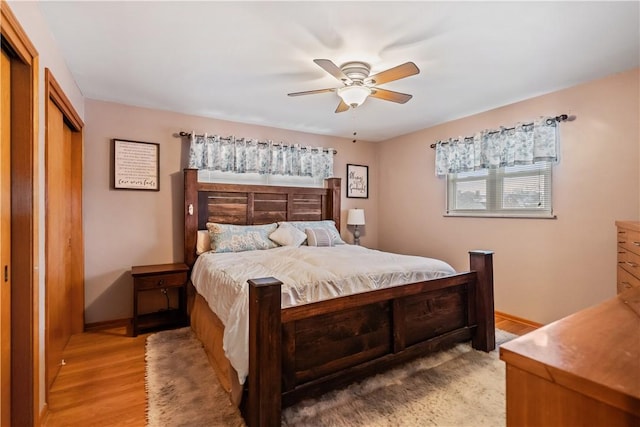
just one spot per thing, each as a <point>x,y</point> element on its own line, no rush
<point>252,204</point>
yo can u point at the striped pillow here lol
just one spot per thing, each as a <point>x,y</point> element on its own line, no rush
<point>328,224</point>
<point>318,237</point>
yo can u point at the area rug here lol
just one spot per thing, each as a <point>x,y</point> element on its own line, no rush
<point>456,387</point>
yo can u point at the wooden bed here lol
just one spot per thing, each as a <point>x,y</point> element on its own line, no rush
<point>303,351</point>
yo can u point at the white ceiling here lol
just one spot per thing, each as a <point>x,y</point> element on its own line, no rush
<point>238,60</point>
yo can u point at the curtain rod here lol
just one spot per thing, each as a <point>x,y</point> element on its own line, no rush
<point>182,133</point>
<point>560,118</point>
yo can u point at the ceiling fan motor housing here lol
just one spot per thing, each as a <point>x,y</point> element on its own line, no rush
<point>356,71</point>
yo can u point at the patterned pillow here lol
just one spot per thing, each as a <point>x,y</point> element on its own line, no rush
<point>327,224</point>
<point>239,238</point>
<point>318,237</point>
<point>287,235</point>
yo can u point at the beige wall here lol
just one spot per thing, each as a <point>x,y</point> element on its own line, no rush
<point>544,269</point>
<point>125,228</point>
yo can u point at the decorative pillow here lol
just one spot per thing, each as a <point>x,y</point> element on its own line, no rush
<point>288,235</point>
<point>318,237</point>
<point>239,238</point>
<point>203,242</point>
<point>327,224</point>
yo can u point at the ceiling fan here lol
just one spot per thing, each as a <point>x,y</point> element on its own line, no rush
<point>359,85</point>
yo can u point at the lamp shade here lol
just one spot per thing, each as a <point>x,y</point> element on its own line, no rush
<point>355,217</point>
<point>354,96</point>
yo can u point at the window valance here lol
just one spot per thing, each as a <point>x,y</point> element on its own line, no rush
<point>240,155</point>
<point>522,144</point>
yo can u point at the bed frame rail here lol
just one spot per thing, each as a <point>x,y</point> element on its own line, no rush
<point>306,350</point>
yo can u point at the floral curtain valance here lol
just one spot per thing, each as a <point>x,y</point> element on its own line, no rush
<point>523,144</point>
<point>262,157</point>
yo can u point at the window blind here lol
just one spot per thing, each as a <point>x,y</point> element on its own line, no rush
<point>515,191</point>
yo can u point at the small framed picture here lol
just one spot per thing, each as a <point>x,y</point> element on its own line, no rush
<point>136,165</point>
<point>358,181</point>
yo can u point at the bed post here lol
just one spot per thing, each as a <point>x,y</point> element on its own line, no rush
<point>333,184</point>
<point>190,215</point>
<point>264,403</point>
<point>485,336</point>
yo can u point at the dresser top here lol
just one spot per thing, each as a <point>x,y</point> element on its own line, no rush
<point>630,225</point>
<point>595,351</point>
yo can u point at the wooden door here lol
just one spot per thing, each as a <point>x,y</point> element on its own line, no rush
<point>64,277</point>
<point>5,243</point>
<point>22,271</point>
<point>58,246</point>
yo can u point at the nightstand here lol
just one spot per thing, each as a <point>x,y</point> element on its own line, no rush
<point>159,278</point>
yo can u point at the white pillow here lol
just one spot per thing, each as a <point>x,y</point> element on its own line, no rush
<point>287,235</point>
<point>318,237</point>
<point>203,242</point>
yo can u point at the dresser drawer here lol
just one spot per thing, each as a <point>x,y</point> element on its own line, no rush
<point>629,261</point>
<point>629,240</point>
<point>157,281</point>
<point>626,280</point>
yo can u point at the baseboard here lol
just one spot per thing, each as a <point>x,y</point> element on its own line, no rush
<point>517,319</point>
<point>98,326</point>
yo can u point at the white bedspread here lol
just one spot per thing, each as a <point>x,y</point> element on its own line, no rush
<point>308,274</point>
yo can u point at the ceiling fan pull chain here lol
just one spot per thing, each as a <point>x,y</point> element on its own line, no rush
<point>353,123</point>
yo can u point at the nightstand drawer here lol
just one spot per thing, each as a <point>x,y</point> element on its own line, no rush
<point>158,281</point>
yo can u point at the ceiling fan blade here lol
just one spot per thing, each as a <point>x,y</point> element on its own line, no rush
<point>332,69</point>
<point>400,72</point>
<point>311,92</point>
<point>389,95</point>
<point>342,107</point>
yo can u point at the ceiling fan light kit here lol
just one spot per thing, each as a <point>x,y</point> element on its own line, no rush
<point>358,85</point>
<point>354,95</point>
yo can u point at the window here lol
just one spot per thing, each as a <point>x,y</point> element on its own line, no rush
<point>512,191</point>
<point>205,175</point>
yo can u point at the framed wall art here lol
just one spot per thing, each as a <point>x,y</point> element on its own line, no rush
<point>357,181</point>
<point>136,165</point>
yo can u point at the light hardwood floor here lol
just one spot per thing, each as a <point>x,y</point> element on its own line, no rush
<point>102,382</point>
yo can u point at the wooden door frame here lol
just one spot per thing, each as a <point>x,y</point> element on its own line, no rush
<point>5,239</point>
<point>53,92</point>
<point>25,384</point>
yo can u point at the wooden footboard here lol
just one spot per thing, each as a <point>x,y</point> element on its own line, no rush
<point>306,350</point>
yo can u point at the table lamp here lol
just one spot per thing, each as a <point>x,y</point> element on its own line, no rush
<point>356,218</point>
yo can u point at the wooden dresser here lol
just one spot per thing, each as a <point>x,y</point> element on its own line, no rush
<point>628,254</point>
<point>583,370</point>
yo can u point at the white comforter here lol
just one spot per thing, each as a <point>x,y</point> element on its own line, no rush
<point>308,274</point>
